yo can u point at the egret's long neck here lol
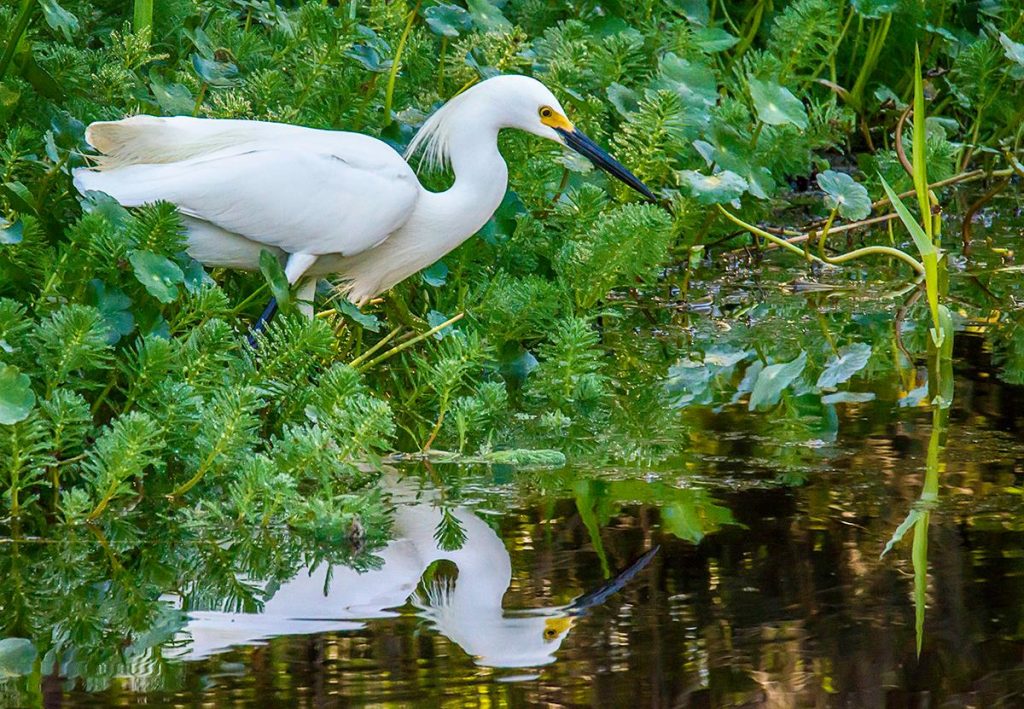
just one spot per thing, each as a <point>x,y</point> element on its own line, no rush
<point>481,178</point>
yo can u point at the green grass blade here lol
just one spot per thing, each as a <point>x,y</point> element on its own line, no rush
<point>920,156</point>
<point>142,17</point>
<point>921,239</point>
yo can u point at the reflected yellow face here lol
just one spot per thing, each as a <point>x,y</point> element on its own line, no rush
<point>553,119</point>
<point>556,627</point>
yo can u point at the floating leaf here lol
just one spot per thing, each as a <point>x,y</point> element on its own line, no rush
<point>272,272</point>
<point>720,188</point>
<point>368,321</point>
<point>17,657</point>
<point>773,380</point>
<point>11,233</point>
<point>842,192</point>
<point>714,39</point>
<point>58,18</point>
<point>487,16</point>
<point>436,275</point>
<point>448,20</point>
<point>776,105</point>
<point>158,274</point>
<point>848,397</point>
<point>842,366</point>
<point>16,397</point>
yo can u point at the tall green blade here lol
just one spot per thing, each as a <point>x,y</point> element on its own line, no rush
<point>920,156</point>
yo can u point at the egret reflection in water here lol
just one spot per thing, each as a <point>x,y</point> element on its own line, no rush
<point>467,610</point>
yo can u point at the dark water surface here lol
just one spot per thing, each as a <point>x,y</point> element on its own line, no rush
<point>768,588</point>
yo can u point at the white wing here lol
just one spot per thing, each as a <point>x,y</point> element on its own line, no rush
<point>301,190</point>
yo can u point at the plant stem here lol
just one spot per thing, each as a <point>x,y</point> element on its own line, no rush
<point>383,341</point>
<point>409,343</point>
<point>142,18</point>
<point>20,25</point>
<point>389,92</point>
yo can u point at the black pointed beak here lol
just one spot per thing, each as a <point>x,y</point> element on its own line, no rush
<point>583,145</point>
<point>603,592</point>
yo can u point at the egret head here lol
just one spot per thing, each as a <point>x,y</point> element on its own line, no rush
<point>512,101</point>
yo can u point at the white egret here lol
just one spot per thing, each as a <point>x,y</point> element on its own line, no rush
<point>330,202</point>
<point>468,611</point>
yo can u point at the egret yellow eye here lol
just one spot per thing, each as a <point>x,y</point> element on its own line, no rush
<point>546,112</point>
<point>550,633</point>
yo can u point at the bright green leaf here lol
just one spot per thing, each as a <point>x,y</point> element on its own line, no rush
<point>848,397</point>
<point>58,18</point>
<point>435,275</point>
<point>842,192</point>
<point>720,188</point>
<point>368,321</point>
<point>16,395</point>
<point>158,274</point>
<point>487,16</point>
<point>921,240</point>
<point>272,272</point>
<point>447,20</point>
<point>714,39</point>
<point>776,105</point>
<point>694,82</point>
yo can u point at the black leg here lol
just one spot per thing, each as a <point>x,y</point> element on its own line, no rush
<point>261,324</point>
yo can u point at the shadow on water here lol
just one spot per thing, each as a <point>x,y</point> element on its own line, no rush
<point>851,537</point>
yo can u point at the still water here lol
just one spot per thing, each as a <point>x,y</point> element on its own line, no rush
<point>734,559</point>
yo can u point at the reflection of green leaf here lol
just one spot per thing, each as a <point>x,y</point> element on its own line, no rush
<point>848,397</point>
<point>842,192</point>
<point>158,274</point>
<point>773,380</point>
<point>450,534</point>
<point>776,105</point>
<point>842,366</point>
<point>368,321</point>
<point>17,657</point>
<point>447,20</point>
<point>488,17</point>
<point>720,188</point>
<point>16,395</point>
<point>904,527</point>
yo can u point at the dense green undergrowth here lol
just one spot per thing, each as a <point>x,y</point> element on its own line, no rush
<point>127,389</point>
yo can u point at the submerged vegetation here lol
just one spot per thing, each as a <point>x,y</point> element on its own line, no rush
<point>132,406</point>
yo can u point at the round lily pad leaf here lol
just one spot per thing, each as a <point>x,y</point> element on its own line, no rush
<point>158,274</point>
<point>624,99</point>
<point>776,105</point>
<point>447,20</point>
<point>16,395</point>
<point>842,192</point>
<point>487,16</point>
<point>720,188</point>
<point>714,39</point>
<point>693,81</point>
<point>436,275</point>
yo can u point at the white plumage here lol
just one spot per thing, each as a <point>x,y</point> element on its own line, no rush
<point>329,202</point>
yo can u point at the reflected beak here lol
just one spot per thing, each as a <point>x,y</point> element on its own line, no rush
<point>583,145</point>
<point>603,592</point>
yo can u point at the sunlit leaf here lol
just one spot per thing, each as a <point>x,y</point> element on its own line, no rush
<point>842,192</point>
<point>776,105</point>
<point>841,367</point>
<point>158,274</point>
<point>16,398</point>
<point>11,233</point>
<point>487,16</point>
<point>58,18</point>
<point>921,240</point>
<point>694,82</point>
<point>773,380</point>
<point>720,188</point>
<point>873,9</point>
<point>173,99</point>
<point>447,20</point>
<point>17,657</point>
<point>624,99</point>
<point>1014,50</point>
<point>368,321</point>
